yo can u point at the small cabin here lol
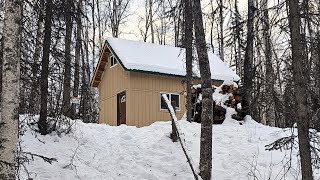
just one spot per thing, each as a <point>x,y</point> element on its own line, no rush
<point>131,77</point>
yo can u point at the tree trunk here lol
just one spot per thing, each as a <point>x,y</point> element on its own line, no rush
<point>318,60</point>
<point>10,89</point>
<point>43,124</point>
<point>66,108</point>
<point>237,41</point>
<point>300,90</point>
<point>269,74</point>
<point>318,63</point>
<point>211,25</point>
<point>114,20</point>
<point>151,20</point>
<point>99,26</point>
<point>206,86</point>
<point>1,62</point>
<point>248,62</point>
<point>34,98</point>
<point>77,58</point>
<point>221,50</point>
<point>93,37</point>
<point>188,45</point>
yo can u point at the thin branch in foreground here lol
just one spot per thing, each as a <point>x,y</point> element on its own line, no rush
<point>46,159</point>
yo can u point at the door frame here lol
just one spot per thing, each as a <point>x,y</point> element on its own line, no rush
<point>118,108</point>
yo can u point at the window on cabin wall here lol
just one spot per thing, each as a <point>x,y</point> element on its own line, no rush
<point>113,61</point>
<point>173,98</point>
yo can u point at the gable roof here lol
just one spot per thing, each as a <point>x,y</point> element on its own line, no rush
<point>160,59</point>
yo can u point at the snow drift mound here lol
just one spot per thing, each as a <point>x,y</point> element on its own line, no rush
<point>99,152</point>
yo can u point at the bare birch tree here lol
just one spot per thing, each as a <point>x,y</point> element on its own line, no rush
<point>10,89</point>
<point>117,13</point>
<point>148,21</point>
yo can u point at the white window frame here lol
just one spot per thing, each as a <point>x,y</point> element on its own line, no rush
<point>179,109</point>
<point>112,57</point>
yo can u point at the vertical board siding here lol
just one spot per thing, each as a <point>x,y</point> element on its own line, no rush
<point>142,95</point>
<point>114,80</point>
<point>145,91</point>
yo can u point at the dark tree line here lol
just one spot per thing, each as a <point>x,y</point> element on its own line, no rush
<point>56,61</point>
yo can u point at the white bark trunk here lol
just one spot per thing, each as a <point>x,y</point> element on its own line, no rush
<point>10,85</point>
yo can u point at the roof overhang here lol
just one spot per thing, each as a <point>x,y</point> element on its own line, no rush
<point>100,68</point>
<point>103,60</point>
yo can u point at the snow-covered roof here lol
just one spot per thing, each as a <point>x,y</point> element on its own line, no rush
<point>163,59</point>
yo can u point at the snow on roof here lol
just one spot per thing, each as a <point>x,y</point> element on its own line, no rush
<point>141,56</point>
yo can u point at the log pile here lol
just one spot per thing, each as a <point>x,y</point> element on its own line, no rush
<point>226,95</point>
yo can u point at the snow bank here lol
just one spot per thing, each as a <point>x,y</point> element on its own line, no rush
<point>106,152</point>
<point>128,153</point>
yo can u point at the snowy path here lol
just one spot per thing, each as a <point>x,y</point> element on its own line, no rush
<point>106,152</point>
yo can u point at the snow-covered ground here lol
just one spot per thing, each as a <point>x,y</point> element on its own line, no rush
<point>103,152</point>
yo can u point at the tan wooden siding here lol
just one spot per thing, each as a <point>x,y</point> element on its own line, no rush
<point>114,81</point>
<point>142,95</point>
<point>145,97</point>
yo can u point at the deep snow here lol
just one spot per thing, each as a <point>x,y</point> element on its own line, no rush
<point>124,152</point>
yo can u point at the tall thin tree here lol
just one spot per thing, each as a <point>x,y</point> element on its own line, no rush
<point>43,124</point>
<point>221,34</point>
<point>188,18</point>
<point>77,57</point>
<point>206,88</point>
<point>1,62</point>
<point>66,106</point>
<point>300,90</point>
<point>248,61</point>
<point>10,89</point>
<point>34,98</point>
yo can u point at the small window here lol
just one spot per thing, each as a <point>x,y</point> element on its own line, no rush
<point>113,61</point>
<point>173,98</point>
<point>163,103</point>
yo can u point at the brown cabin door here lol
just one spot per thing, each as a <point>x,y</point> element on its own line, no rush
<point>121,108</point>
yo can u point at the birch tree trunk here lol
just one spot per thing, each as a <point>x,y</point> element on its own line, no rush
<point>9,122</point>
<point>206,87</point>
<point>42,124</point>
<point>188,45</point>
<point>1,62</point>
<point>300,90</point>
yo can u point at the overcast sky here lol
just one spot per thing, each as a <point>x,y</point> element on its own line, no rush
<point>130,29</point>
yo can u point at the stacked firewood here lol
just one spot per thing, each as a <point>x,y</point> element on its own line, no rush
<point>229,97</point>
